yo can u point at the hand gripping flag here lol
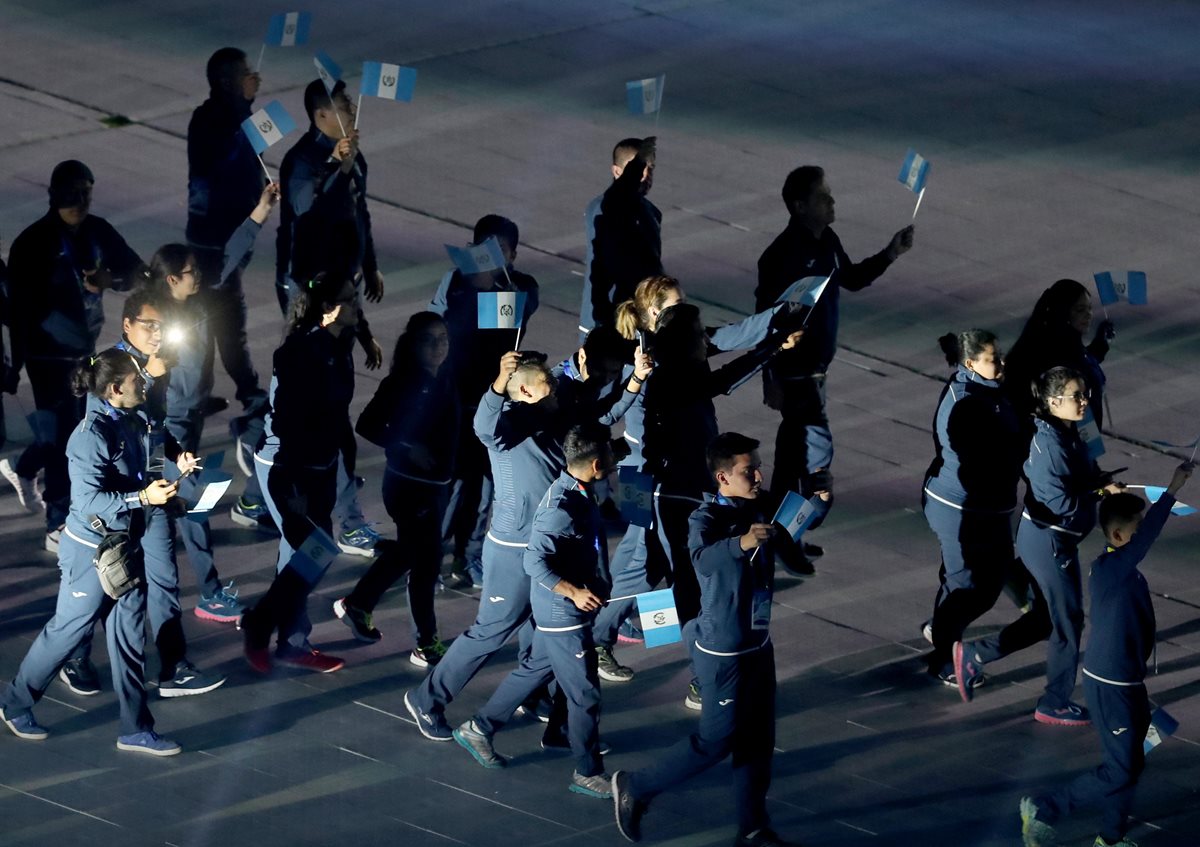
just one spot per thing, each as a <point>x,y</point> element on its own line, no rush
<point>477,258</point>
<point>914,171</point>
<point>314,556</point>
<point>795,514</point>
<point>288,29</point>
<point>501,309</point>
<point>1162,727</point>
<point>635,493</point>
<point>644,96</point>
<point>660,620</point>
<point>391,82</point>
<point>328,70</point>
<point>806,291</point>
<point>267,126</point>
<point>1114,286</point>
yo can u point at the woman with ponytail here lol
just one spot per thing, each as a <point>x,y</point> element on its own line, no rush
<point>970,490</point>
<point>106,458</point>
<point>1063,489</point>
<point>308,432</point>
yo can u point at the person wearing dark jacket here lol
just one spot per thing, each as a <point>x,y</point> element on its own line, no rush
<point>794,382</point>
<point>970,490</point>
<point>1114,671</point>
<point>109,494</point>
<point>225,181</point>
<point>627,245</point>
<point>732,545</point>
<point>414,416</point>
<point>8,384</point>
<point>59,268</point>
<point>1063,487</point>
<point>567,566</point>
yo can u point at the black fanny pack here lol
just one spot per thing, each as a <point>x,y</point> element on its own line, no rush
<point>117,564</point>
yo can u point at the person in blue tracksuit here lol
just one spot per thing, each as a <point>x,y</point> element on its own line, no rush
<point>58,270</point>
<point>732,546</point>
<point>106,459</point>
<point>636,318</point>
<point>308,434</point>
<point>567,565</point>
<point>1063,487</point>
<point>1114,671</point>
<point>970,490</point>
<point>523,427</point>
<point>142,325</point>
<point>414,416</point>
<point>794,383</point>
<point>473,355</point>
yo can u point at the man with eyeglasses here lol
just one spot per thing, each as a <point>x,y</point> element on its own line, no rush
<point>59,268</point>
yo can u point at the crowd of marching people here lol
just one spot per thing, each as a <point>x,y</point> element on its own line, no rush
<point>507,459</point>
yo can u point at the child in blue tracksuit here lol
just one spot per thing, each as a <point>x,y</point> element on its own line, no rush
<point>732,549</point>
<point>1114,670</point>
<point>970,490</point>
<point>1063,487</point>
<point>566,562</point>
<point>414,416</point>
<point>308,433</point>
<point>106,460</point>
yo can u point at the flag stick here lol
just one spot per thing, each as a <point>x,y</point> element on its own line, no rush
<point>261,51</point>
<point>920,197</point>
<point>517,346</point>
<point>658,111</point>
<point>358,110</point>
<point>339,120</point>
<point>1192,458</point>
<point>264,167</point>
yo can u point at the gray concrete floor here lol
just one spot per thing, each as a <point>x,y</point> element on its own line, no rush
<point>1062,137</point>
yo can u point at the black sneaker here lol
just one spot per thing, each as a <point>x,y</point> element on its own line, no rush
<point>609,668</point>
<point>187,681</point>
<point>559,743</point>
<point>359,621</point>
<point>213,406</point>
<point>81,676</point>
<point>813,551</point>
<point>693,700</point>
<point>795,562</point>
<point>629,810</point>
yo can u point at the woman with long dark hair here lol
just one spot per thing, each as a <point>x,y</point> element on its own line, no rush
<point>308,432</point>
<point>106,459</point>
<point>414,416</point>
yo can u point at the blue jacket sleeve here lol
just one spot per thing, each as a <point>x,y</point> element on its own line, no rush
<point>1051,481</point>
<point>549,525</point>
<point>238,246</point>
<point>1124,560</point>
<point>709,546</point>
<point>489,421</point>
<point>745,334</point>
<point>440,303</point>
<point>91,457</point>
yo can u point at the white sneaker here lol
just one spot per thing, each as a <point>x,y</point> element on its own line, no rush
<point>26,489</point>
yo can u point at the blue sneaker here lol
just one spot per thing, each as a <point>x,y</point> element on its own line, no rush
<point>25,726</point>
<point>252,515</point>
<point>430,724</point>
<point>148,742</point>
<point>359,542</point>
<point>1071,714</point>
<point>222,606</point>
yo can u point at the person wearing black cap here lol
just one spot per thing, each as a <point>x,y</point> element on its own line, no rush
<point>59,268</point>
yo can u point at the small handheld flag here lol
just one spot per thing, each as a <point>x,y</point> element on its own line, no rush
<point>806,291</point>
<point>1089,433</point>
<point>644,96</point>
<point>635,494</point>
<point>328,70</point>
<point>1162,727</point>
<point>1153,492</point>
<point>914,171</point>
<point>477,258</point>
<point>288,29</point>
<point>314,556</point>
<point>391,82</point>
<point>795,514</point>
<point>501,309</point>
<point>267,126</point>
<point>660,619</point>
<point>1114,286</point>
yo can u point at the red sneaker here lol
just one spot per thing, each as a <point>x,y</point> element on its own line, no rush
<point>259,658</point>
<point>309,659</point>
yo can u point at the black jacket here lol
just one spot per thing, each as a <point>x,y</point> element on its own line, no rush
<point>225,178</point>
<point>628,243</point>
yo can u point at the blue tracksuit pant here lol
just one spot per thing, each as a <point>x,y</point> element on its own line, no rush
<point>503,610</point>
<point>81,604</point>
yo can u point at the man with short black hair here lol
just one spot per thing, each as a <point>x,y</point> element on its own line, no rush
<point>732,548</point>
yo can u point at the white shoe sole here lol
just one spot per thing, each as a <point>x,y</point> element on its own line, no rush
<point>28,736</point>
<point>62,675</point>
<point>147,751</point>
<point>608,676</point>
<point>188,692</point>
<point>356,551</point>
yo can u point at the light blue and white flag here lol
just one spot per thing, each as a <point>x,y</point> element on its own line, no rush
<point>328,70</point>
<point>391,82</point>
<point>267,126</point>
<point>288,29</point>
<point>501,309</point>
<point>1162,727</point>
<point>806,291</point>
<point>477,258</point>
<point>914,171</point>
<point>1114,286</point>
<point>1153,492</point>
<point>795,514</point>
<point>314,556</point>
<point>1089,433</point>
<point>660,620</point>
<point>635,494</point>
<point>644,96</point>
